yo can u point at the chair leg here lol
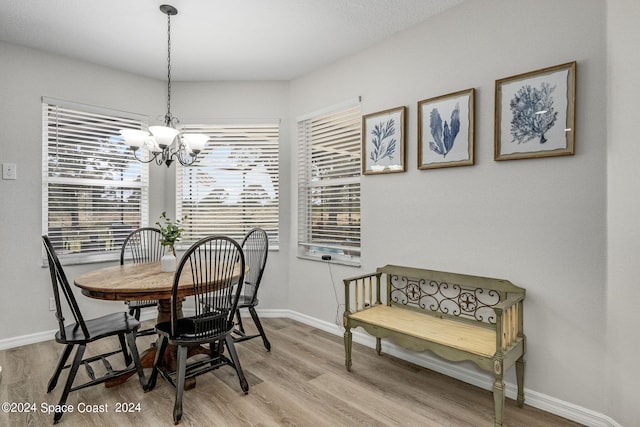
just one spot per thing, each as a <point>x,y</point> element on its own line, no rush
<point>67,387</point>
<point>236,363</point>
<point>181,371</point>
<point>131,340</point>
<point>240,325</point>
<point>160,349</point>
<point>125,353</point>
<point>63,360</point>
<point>256,320</point>
<point>134,311</point>
<point>216,348</point>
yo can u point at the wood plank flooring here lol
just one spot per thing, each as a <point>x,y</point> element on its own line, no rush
<point>301,382</point>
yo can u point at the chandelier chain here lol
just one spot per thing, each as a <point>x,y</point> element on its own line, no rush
<point>169,116</point>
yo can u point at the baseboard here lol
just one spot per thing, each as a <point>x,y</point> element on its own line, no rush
<point>533,398</point>
<point>13,342</point>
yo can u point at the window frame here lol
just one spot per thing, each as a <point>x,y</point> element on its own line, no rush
<point>102,118</point>
<point>308,246</point>
<point>228,135</point>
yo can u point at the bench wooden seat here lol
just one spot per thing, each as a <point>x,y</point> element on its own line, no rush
<point>470,338</point>
<point>458,317</point>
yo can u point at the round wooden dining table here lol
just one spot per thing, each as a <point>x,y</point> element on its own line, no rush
<point>143,281</point>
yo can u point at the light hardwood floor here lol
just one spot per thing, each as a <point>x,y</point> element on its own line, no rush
<point>301,382</point>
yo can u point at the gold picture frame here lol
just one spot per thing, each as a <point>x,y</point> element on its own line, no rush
<point>446,130</point>
<point>383,141</point>
<point>535,114</point>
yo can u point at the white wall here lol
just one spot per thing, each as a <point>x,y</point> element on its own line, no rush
<point>540,223</point>
<point>623,209</point>
<point>25,76</point>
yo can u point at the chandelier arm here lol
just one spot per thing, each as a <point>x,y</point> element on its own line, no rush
<point>180,153</point>
<point>152,158</point>
<point>185,162</point>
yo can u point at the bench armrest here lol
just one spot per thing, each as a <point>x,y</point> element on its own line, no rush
<point>509,321</point>
<point>508,302</point>
<point>364,288</point>
<point>353,279</point>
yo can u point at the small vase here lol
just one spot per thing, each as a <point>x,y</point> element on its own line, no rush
<point>168,262</point>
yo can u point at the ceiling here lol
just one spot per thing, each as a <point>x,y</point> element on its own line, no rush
<point>211,39</point>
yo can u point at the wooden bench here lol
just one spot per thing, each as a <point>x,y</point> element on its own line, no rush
<point>456,316</point>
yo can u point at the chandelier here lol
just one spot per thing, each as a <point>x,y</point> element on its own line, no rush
<point>164,144</point>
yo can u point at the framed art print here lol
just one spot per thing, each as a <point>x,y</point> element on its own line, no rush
<point>446,130</point>
<point>535,114</point>
<point>383,141</point>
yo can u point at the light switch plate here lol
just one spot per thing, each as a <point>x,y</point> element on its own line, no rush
<point>9,171</point>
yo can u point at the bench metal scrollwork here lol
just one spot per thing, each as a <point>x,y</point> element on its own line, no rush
<point>447,298</point>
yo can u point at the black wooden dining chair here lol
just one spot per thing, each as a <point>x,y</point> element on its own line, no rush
<point>81,332</point>
<point>215,265</point>
<point>142,245</point>
<point>255,246</point>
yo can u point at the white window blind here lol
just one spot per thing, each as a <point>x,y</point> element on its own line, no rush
<point>234,185</point>
<point>93,191</point>
<point>329,184</point>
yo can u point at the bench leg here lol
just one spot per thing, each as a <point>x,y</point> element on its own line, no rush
<point>498,391</point>
<point>378,346</point>
<point>520,379</point>
<point>347,348</point>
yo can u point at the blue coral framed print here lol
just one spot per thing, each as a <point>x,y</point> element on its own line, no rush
<point>446,130</point>
<point>383,141</point>
<point>535,114</point>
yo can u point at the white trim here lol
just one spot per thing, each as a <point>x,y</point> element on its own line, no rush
<point>232,121</point>
<point>339,106</point>
<point>88,108</point>
<point>13,342</point>
<point>533,398</point>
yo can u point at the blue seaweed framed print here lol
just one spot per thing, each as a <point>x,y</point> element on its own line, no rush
<point>446,130</point>
<point>535,114</point>
<point>383,141</point>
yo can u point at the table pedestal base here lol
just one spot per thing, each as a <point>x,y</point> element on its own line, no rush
<point>169,362</point>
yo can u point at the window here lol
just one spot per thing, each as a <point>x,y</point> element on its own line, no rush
<point>93,191</point>
<point>329,184</point>
<point>234,185</point>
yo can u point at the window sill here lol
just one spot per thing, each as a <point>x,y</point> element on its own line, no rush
<point>351,262</point>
